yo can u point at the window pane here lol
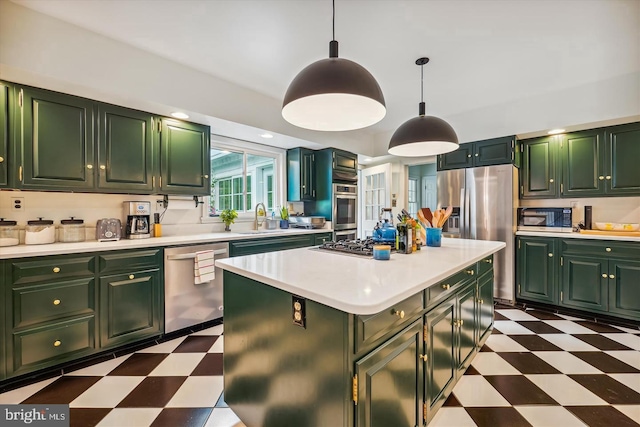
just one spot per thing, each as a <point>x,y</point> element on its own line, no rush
<point>260,170</point>
<point>224,166</point>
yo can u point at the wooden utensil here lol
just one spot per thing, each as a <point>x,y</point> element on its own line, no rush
<point>427,214</point>
<point>425,222</point>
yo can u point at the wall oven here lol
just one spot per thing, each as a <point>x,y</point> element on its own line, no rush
<point>345,207</point>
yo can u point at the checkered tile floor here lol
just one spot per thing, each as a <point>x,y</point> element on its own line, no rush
<point>536,369</point>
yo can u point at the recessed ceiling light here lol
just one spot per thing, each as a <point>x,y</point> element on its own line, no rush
<point>179,115</point>
<point>367,159</point>
<point>267,135</point>
<point>555,131</point>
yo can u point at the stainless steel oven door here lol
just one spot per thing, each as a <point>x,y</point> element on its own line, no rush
<point>344,235</point>
<point>345,207</point>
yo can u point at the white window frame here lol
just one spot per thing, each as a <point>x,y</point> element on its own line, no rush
<point>220,142</point>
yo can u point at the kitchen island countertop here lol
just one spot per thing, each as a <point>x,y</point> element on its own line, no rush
<point>357,284</point>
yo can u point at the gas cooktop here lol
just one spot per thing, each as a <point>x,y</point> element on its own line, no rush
<point>351,247</point>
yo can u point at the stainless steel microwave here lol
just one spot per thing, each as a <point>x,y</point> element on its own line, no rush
<point>545,219</point>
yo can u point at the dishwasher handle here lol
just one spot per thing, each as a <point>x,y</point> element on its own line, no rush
<point>193,255</point>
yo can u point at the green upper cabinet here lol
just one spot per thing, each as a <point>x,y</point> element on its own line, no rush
<point>57,141</point>
<point>488,152</point>
<point>5,97</point>
<point>301,175</point>
<point>458,159</point>
<point>125,149</point>
<point>582,159</point>
<point>185,161</point>
<point>539,177</point>
<point>622,176</point>
<point>536,268</point>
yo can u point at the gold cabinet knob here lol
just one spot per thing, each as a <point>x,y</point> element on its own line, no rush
<point>489,261</point>
<point>446,286</point>
<point>608,176</point>
<point>56,269</point>
<point>1,159</point>
<point>550,254</point>
<point>400,313</point>
<point>481,301</point>
<point>89,166</point>
<point>103,167</point>
<point>601,177</point>
<point>477,154</point>
<point>604,275</point>
<point>131,276</point>
<point>423,357</point>
<point>551,180</point>
<point>56,302</point>
<point>607,249</point>
<point>470,272</point>
<point>611,276</point>
<point>57,343</point>
<point>461,322</point>
<point>468,155</point>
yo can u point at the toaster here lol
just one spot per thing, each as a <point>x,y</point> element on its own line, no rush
<point>108,229</point>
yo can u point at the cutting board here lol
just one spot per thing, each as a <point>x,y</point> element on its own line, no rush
<point>611,233</point>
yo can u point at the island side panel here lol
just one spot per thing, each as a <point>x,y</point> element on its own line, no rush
<point>277,373</point>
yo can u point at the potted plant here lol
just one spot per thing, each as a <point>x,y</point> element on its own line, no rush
<point>228,216</point>
<point>284,217</point>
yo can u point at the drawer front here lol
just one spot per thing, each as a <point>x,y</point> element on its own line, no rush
<point>319,239</point>
<point>46,346</point>
<point>50,268</point>
<point>269,244</point>
<point>370,329</point>
<point>441,291</point>
<point>484,265</point>
<point>112,262</point>
<point>34,304</point>
<point>607,248</point>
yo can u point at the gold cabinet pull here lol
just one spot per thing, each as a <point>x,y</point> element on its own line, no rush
<point>56,269</point>
<point>102,167</point>
<point>611,276</point>
<point>601,177</point>
<point>604,275</point>
<point>131,276</point>
<point>471,272</point>
<point>423,357</point>
<point>550,255</point>
<point>57,343</point>
<point>446,286</point>
<point>56,302</point>
<point>551,180</point>
<point>480,301</point>
<point>608,176</point>
<point>461,322</point>
<point>400,313</point>
<point>607,249</point>
<point>489,261</point>
<point>89,166</point>
<point>1,159</point>
<point>206,176</point>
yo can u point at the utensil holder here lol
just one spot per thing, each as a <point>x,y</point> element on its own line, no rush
<point>434,237</point>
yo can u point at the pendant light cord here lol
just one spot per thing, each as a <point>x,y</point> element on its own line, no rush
<point>333,20</point>
<point>333,44</point>
<point>422,83</point>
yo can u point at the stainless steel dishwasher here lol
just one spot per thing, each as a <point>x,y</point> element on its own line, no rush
<point>185,303</point>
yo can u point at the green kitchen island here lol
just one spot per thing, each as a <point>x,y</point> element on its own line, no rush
<point>314,338</point>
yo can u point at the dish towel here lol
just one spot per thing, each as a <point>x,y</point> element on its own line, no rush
<point>203,268</point>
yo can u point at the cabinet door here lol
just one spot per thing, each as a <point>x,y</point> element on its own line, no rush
<point>497,151</point>
<point>308,176</point>
<point>300,175</point>
<point>622,154</point>
<point>389,382</point>
<point>441,366</point>
<point>130,307</point>
<point>536,269</point>
<point>57,141</point>
<point>466,323</point>
<point>485,307</point>
<point>584,283</point>
<point>125,149</point>
<point>346,162</point>
<point>5,96</point>
<point>539,178</point>
<point>3,312</point>
<point>458,159</point>
<point>582,158</point>
<point>624,288</point>
<point>184,158</point>
<point>319,239</point>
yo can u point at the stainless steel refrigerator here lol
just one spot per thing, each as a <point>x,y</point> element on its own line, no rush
<point>485,201</point>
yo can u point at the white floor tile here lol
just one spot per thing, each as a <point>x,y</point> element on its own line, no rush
<point>493,364</point>
<point>475,390</point>
<point>630,357</point>
<point>568,342</point>
<point>631,411</point>
<point>218,346</point>
<point>106,393</point>
<point>139,417</point>
<point>630,380</point>
<point>631,331</point>
<point>499,343</point>
<point>165,347</point>
<point>565,391</point>
<point>16,396</point>
<point>630,340</point>
<point>197,392</point>
<point>510,327</point>
<point>567,363</point>
<point>549,416</point>
<point>100,369</point>
<point>214,330</point>
<point>569,327</point>
<point>223,417</point>
<point>516,314</point>
<point>177,365</point>
<point>452,417</point>
<point>566,316</point>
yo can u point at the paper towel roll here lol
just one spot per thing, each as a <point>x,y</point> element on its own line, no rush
<point>181,203</point>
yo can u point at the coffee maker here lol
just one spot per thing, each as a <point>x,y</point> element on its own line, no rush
<point>136,220</point>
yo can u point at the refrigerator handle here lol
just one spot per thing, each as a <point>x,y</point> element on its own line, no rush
<point>470,229</point>
<point>463,215</point>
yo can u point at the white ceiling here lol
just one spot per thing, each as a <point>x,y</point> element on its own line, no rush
<point>484,53</point>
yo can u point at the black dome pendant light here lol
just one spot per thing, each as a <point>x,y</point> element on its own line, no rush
<point>333,94</point>
<point>423,135</point>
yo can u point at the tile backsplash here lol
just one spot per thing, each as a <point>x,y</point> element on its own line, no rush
<point>605,209</point>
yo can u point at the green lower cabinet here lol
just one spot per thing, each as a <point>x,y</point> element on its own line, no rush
<point>269,244</point>
<point>584,283</point>
<point>130,307</point>
<point>536,269</point>
<point>466,324</point>
<point>390,387</point>
<point>3,332</point>
<point>624,288</point>
<point>485,306</point>
<point>319,239</point>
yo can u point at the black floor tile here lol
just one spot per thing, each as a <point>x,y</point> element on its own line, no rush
<point>540,327</point>
<point>183,417</point>
<point>494,331</point>
<point>471,371</point>
<point>608,389</point>
<point>604,362</point>
<point>485,349</point>
<point>519,390</point>
<point>139,364</point>
<point>534,343</point>
<point>498,316</point>
<point>152,392</point>
<point>598,327</point>
<point>211,364</point>
<point>87,417</point>
<point>601,342</point>
<point>63,390</point>
<point>497,417</point>
<point>528,363</point>
<point>451,401</point>
<point>544,315</point>
<point>196,344</point>
<point>595,416</point>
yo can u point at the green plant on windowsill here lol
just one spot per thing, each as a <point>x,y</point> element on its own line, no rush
<point>284,213</point>
<point>228,216</point>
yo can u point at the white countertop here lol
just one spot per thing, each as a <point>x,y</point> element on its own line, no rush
<point>618,237</point>
<point>355,284</point>
<point>95,246</point>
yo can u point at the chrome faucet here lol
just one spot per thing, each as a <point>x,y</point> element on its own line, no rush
<point>264,215</point>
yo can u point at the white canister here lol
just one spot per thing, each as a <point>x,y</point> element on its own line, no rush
<point>39,232</point>
<point>71,230</point>
<point>9,233</point>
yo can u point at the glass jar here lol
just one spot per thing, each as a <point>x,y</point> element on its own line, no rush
<point>9,233</point>
<point>71,230</point>
<point>39,232</point>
